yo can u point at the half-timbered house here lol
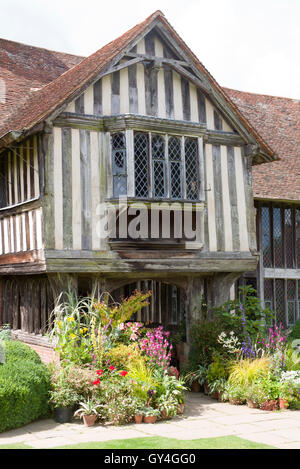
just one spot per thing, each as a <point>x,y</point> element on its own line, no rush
<point>131,168</point>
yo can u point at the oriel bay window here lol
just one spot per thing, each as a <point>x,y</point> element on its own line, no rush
<point>279,237</point>
<point>164,166</point>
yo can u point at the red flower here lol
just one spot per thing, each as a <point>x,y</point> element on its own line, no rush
<point>99,372</point>
<point>124,373</point>
<point>96,382</point>
<point>112,368</point>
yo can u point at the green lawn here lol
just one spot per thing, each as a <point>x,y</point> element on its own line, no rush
<point>157,442</point>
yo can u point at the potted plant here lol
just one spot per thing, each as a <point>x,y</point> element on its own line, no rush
<point>180,406</point>
<point>150,414</point>
<point>216,378</point>
<point>167,404</point>
<point>254,396</point>
<point>63,400</point>
<point>196,379</point>
<point>284,395</point>
<point>217,388</point>
<point>138,410</point>
<point>88,410</point>
<point>271,387</point>
<point>236,394</point>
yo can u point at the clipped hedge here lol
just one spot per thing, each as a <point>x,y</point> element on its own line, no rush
<point>24,386</point>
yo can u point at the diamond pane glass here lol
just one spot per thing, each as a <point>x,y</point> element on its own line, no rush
<point>289,238</point>
<point>191,169</point>
<point>118,141</point>
<point>266,237</point>
<point>291,313</point>
<point>119,164</point>
<point>175,180</point>
<point>141,165</point>
<point>277,237</point>
<point>279,301</point>
<point>158,157</point>
<point>268,294</point>
<point>159,178</point>
<point>174,149</point>
<point>158,147</point>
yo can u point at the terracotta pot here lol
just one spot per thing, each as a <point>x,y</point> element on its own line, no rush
<point>215,395</point>
<point>252,404</point>
<point>196,387</point>
<point>269,405</point>
<point>138,418</point>
<point>89,420</point>
<point>283,404</point>
<point>164,415</point>
<point>150,418</point>
<point>235,401</point>
<point>206,388</point>
<point>180,409</point>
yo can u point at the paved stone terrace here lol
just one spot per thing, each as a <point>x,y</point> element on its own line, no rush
<point>203,418</point>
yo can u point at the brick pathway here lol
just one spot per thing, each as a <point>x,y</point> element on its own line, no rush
<point>203,418</point>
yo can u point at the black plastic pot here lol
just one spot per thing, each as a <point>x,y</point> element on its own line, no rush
<point>63,414</point>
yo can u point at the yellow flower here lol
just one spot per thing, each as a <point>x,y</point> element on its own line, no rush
<point>73,336</point>
<point>70,318</point>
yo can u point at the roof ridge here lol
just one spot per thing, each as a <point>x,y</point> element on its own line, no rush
<point>260,94</point>
<point>40,48</point>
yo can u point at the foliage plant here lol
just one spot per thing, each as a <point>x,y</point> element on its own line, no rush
<point>199,375</point>
<point>255,394</point>
<point>245,315</point>
<point>216,370</point>
<point>204,341</point>
<point>114,314</point>
<point>88,407</point>
<point>244,372</point>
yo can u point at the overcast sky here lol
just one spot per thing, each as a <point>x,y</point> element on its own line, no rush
<point>247,45</point>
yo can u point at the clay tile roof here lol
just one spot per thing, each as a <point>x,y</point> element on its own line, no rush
<point>278,122</point>
<point>38,105</point>
<point>24,68</point>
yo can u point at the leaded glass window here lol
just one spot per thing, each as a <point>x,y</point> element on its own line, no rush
<point>158,166</point>
<point>175,172</point>
<point>291,301</point>
<point>289,237</point>
<point>277,237</point>
<point>191,169</point>
<point>160,161</point>
<point>119,164</point>
<point>266,237</point>
<point>141,164</point>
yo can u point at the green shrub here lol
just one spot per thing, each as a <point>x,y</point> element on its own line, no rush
<point>17,351</point>
<point>295,334</point>
<point>204,341</point>
<point>24,387</point>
